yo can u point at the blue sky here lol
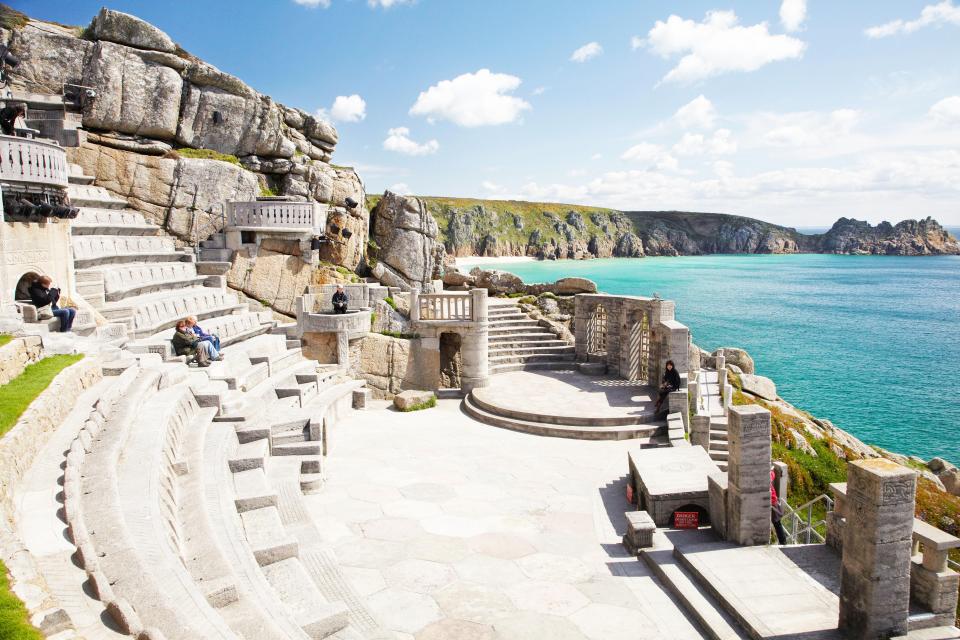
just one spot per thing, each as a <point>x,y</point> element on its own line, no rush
<point>795,112</point>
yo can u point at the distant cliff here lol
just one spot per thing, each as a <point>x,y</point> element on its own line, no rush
<point>469,227</point>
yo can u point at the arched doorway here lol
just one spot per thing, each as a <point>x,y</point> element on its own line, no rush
<point>23,285</point>
<point>451,360</point>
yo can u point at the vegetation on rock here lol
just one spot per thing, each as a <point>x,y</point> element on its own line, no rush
<point>208,154</point>
<point>429,404</point>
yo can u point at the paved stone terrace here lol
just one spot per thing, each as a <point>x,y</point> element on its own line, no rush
<point>568,393</point>
<point>454,530</point>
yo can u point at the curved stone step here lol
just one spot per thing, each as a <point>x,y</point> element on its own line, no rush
<point>650,433</point>
<point>530,366</point>
<point>532,358</point>
<point>533,349</point>
<point>489,406</point>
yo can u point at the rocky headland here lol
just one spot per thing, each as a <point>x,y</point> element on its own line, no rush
<point>497,228</point>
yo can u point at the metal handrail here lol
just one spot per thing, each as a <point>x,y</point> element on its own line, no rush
<point>807,528</point>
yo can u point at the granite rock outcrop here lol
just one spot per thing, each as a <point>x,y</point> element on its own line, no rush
<point>404,238</point>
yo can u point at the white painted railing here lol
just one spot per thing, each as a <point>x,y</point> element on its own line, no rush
<point>445,306</point>
<point>23,160</point>
<point>292,216</point>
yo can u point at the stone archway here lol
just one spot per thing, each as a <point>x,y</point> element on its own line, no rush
<point>21,292</point>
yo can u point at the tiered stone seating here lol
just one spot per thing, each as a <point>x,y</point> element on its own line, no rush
<point>91,251</point>
<point>117,222</point>
<point>151,313</point>
<point>130,280</point>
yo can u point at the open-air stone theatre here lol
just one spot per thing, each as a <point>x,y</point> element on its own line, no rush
<point>371,455</point>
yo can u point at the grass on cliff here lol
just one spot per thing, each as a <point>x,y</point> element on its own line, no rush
<point>208,154</point>
<point>11,19</point>
<point>14,618</point>
<point>4,339</point>
<point>16,395</point>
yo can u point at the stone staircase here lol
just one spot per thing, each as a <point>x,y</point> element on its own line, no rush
<point>517,342</point>
<point>708,405</point>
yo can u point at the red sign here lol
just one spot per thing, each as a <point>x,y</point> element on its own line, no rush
<point>686,519</point>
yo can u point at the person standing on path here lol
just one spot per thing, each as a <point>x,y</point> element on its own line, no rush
<point>776,512</point>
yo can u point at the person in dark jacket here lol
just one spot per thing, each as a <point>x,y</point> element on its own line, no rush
<point>187,343</point>
<point>671,382</point>
<point>203,335</point>
<point>9,116</point>
<point>339,300</point>
<point>43,294</point>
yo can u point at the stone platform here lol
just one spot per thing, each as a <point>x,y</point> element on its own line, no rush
<point>670,478</point>
<point>566,403</point>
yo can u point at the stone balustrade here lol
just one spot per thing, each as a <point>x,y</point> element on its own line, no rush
<point>444,306</point>
<point>932,584</point>
<point>297,217</point>
<point>35,162</point>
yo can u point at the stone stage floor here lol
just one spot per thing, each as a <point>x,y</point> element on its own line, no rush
<point>569,393</point>
<point>453,530</point>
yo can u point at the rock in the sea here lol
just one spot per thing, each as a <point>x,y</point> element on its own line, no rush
<point>573,286</point>
<point>759,386</point>
<point>939,465</point>
<point>739,357</point>
<point>123,28</point>
<point>406,400</point>
<point>406,236</point>
<point>497,282</point>
<point>629,246</point>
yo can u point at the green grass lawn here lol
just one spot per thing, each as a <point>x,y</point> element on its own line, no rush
<point>16,395</point>
<point>14,624</point>
<point>4,339</point>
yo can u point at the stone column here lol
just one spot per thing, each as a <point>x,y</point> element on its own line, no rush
<point>414,306</point>
<point>875,574</point>
<point>700,431</point>
<point>748,475</point>
<point>474,345</point>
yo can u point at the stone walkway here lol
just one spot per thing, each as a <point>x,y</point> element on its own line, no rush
<point>568,393</point>
<point>453,530</point>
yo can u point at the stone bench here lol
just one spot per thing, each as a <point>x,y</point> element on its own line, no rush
<point>153,314</point>
<point>124,281</point>
<point>91,251</point>
<point>933,584</point>
<point>640,529</point>
<point>121,222</point>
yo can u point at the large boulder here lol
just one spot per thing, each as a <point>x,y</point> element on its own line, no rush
<point>134,95</point>
<point>759,386</point>
<point>49,57</point>
<point>497,282</point>
<point>456,278</point>
<point>573,286</point>
<point>739,357</point>
<point>122,28</point>
<point>406,237</point>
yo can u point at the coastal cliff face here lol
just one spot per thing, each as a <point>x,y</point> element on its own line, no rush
<point>558,231</point>
<point>176,136</point>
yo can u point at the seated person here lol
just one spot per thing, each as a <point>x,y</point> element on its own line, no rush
<point>42,295</point>
<point>671,382</point>
<point>9,116</point>
<point>203,335</point>
<point>340,300</point>
<point>187,343</point>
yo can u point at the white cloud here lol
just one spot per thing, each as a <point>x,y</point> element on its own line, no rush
<point>401,189</point>
<point>386,4</point>
<point>313,4</point>
<point>348,109</point>
<point>932,15</point>
<point>472,100</point>
<point>492,187</point>
<point>588,51</point>
<point>651,155</point>
<point>539,91</point>
<point>596,156</point>
<point>398,140</point>
<point>947,111</point>
<point>721,143</point>
<point>805,128</point>
<point>793,13</point>
<point>719,44</point>
<point>699,113</point>
<point>636,42</point>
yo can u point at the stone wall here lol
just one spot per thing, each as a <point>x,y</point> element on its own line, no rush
<point>42,248</point>
<point>17,354</point>
<point>391,365</point>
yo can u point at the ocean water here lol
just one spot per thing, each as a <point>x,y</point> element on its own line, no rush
<point>870,342</point>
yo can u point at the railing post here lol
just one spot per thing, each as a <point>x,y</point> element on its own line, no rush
<point>414,306</point>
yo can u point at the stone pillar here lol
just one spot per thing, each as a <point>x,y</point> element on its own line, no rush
<point>875,574</point>
<point>700,431</point>
<point>414,306</point>
<point>748,475</point>
<point>474,345</point>
<point>837,518</point>
<point>717,494</point>
<point>343,349</point>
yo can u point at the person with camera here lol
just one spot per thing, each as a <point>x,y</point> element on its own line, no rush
<point>45,298</point>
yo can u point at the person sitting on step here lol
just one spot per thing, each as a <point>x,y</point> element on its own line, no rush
<point>42,295</point>
<point>339,300</point>
<point>671,382</point>
<point>203,335</point>
<point>187,343</point>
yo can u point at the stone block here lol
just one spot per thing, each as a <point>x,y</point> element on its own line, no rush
<point>361,398</point>
<point>872,609</point>
<point>407,399</point>
<point>640,529</point>
<point>717,490</point>
<point>937,591</point>
<point>748,516</point>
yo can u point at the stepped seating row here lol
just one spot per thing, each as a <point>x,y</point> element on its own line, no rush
<point>150,314</point>
<point>123,281</point>
<point>89,195</point>
<point>90,251</point>
<point>121,222</point>
<point>517,342</point>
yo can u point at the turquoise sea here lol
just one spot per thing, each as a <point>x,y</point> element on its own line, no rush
<point>870,342</point>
